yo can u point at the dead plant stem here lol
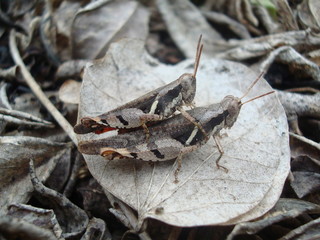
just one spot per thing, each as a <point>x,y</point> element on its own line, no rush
<point>36,89</point>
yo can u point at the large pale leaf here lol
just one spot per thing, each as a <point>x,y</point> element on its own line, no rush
<point>256,147</point>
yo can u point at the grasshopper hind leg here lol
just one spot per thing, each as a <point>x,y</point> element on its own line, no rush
<point>148,118</point>
<point>194,121</point>
<point>146,131</point>
<point>184,151</point>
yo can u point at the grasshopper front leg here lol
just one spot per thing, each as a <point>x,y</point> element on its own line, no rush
<point>216,139</point>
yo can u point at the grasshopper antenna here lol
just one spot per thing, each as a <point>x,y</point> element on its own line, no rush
<point>252,84</point>
<point>260,96</point>
<point>198,55</point>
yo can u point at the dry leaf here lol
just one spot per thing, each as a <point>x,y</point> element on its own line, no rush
<point>286,16</point>
<point>11,228</point>
<point>71,69</point>
<point>298,65</point>
<point>305,167</point>
<point>69,91</point>
<point>116,19</point>
<point>39,217</point>
<point>285,209</point>
<point>97,227</point>
<point>184,21</point>
<point>309,14</point>
<point>73,220</point>
<point>16,153</point>
<point>256,147</point>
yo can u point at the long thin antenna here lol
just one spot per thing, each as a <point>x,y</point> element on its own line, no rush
<point>250,100</point>
<point>198,55</point>
<point>252,84</point>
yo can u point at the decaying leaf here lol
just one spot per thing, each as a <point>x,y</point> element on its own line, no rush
<point>184,21</point>
<point>16,153</point>
<point>297,64</point>
<point>256,147</point>
<point>116,19</point>
<point>300,105</point>
<point>305,182</point>
<point>71,69</point>
<point>12,228</point>
<point>96,227</point>
<point>69,91</point>
<point>305,166</point>
<point>285,209</point>
<point>309,14</point>
<point>42,218</point>
<point>286,16</point>
<point>73,220</point>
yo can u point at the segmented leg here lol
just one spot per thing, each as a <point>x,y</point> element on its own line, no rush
<point>194,121</point>
<point>190,105</point>
<point>184,151</point>
<point>146,130</point>
<point>148,118</point>
<point>221,153</point>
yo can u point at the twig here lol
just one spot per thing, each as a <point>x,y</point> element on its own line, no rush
<point>38,91</point>
<point>18,121</point>
<point>306,140</point>
<point>25,117</point>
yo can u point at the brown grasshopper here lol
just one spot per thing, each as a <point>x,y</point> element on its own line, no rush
<point>172,137</point>
<point>156,105</point>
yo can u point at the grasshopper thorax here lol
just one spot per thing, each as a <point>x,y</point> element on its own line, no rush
<point>188,84</point>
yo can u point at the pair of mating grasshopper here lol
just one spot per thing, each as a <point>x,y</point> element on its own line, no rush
<point>149,130</point>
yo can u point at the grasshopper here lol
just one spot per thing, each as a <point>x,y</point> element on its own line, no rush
<point>172,137</point>
<point>156,105</point>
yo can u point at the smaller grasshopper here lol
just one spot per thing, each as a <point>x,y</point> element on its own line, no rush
<point>156,105</point>
<point>173,137</point>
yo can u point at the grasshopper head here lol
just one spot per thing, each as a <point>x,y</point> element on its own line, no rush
<point>188,84</point>
<point>231,106</point>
